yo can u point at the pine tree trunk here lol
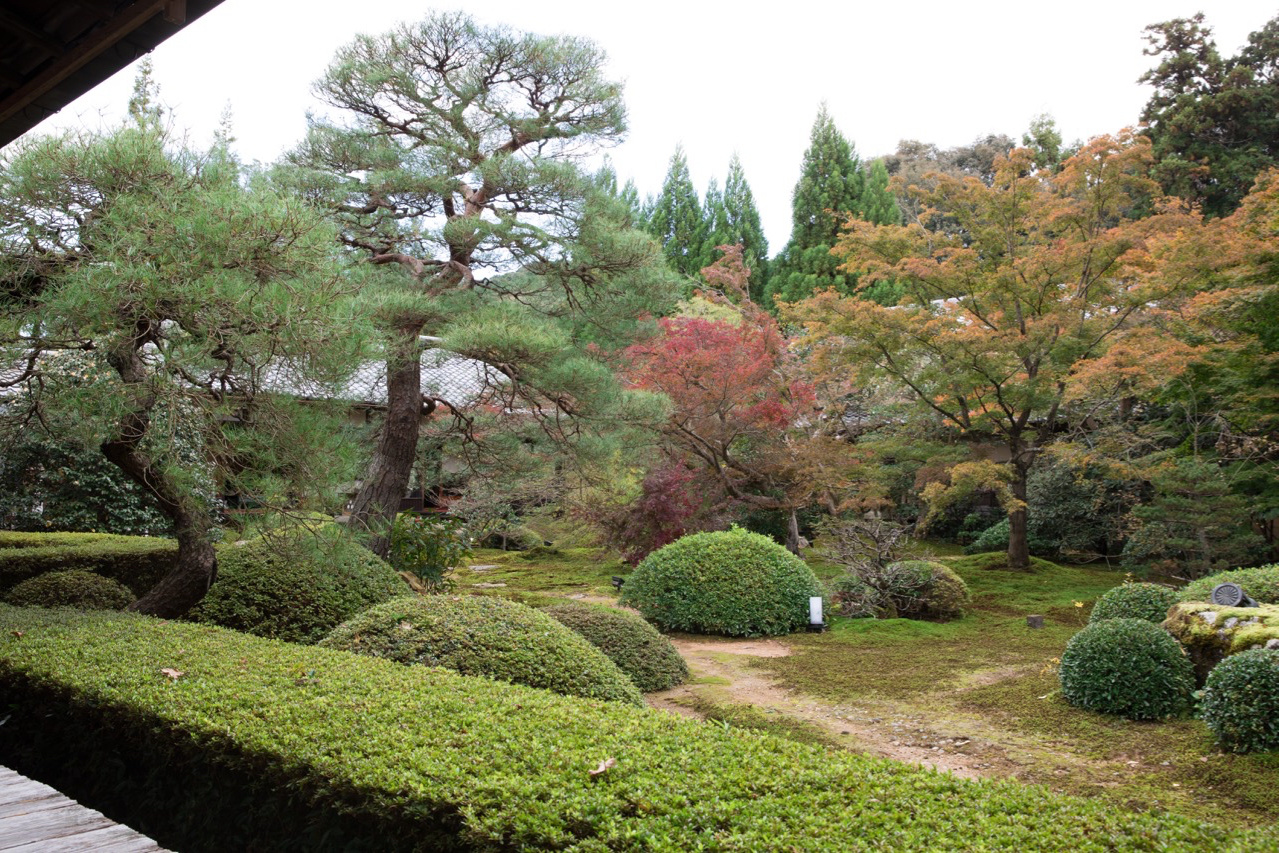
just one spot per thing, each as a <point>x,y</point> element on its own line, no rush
<point>196,567</point>
<point>1018,540</point>
<point>387,478</point>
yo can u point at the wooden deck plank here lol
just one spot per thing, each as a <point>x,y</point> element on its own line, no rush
<point>111,839</point>
<point>35,818</point>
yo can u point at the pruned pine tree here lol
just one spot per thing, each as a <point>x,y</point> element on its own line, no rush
<point>150,294</point>
<point>449,162</point>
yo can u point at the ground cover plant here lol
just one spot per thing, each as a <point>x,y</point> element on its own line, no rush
<point>731,582</point>
<point>295,585</point>
<point>646,657</point>
<point>493,766</point>
<point>485,636</point>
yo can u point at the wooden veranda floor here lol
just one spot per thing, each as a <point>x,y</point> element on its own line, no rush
<point>34,818</point>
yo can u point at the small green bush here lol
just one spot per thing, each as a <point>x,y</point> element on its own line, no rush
<point>296,585</point>
<point>648,659</point>
<point>266,745</point>
<point>1260,583</point>
<point>138,562</point>
<point>941,594</point>
<point>730,582</point>
<point>1128,667</point>
<point>73,588</point>
<point>1241,701</point>
<point>480,635</point>
<point>514,538</point>
<point>909,589</point>
<point>428,547</point>
<point>1147,601</point>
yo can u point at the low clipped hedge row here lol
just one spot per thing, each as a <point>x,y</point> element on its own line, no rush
<point>260,744</point>
<point>138,562</point>
<point>492,637</point>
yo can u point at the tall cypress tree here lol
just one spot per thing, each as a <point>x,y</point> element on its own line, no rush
<point>715,221</point>
<point>830,189</point>
<point>676,218</point>
<point>743,226</point>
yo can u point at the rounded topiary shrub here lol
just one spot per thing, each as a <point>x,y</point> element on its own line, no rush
<point>73,588</point>
<point>1261,584</point>
<point>647,658</point>
<point>732,582</point>
<point>1128,667</point>
<point>928,590</point>
<point>1147,601</point>
<point>295,586</point>
<point>1241,701</point>
<point>480,635</point>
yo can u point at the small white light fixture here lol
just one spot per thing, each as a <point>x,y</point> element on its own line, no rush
<point>815,621</point>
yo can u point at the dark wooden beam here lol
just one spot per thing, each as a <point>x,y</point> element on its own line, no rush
<point>175,12</point>
<point>30,34</point>
<point>108,33</point>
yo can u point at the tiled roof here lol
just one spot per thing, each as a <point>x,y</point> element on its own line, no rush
<point>460,381</point>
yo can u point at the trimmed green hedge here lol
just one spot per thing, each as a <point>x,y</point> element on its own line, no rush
<point>296,586</point>
<point>274,746</point>
<point>1241,701</point>
<point>1261,583</point>
<point>138,562</point>
<point>1148,601</point>
<point>73,588</point>
<point>730,582</point>
<point>1128,667</point>
<point>492,637</point>
<point>648,659</point>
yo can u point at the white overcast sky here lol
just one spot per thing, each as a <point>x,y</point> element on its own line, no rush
<point>717,77</point>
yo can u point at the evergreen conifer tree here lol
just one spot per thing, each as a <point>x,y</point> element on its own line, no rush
<point>676,218</point>
<point>715,222</point>
<point>743,226</point>
<point>830,189</point>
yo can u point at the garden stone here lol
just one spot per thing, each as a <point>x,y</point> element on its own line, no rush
<point>1209,633</point>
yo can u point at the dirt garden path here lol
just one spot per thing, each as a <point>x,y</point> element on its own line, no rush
<point>722,675</point>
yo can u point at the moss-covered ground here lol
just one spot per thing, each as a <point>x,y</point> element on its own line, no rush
<point>981,689</point>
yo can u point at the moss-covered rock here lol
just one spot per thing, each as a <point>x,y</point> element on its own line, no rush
<point>1261,584</point>
<point>1210,633</point>
<point>74,588</point>
<point>648,659</point>
<point>296,586</point>
<point>730,582</point>
<point>1147,601</point>
<point>480,635</point>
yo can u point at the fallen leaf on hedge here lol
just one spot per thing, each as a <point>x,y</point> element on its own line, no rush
<point>175,674</point>
<point>605,765</point>
<point>19,633</point>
